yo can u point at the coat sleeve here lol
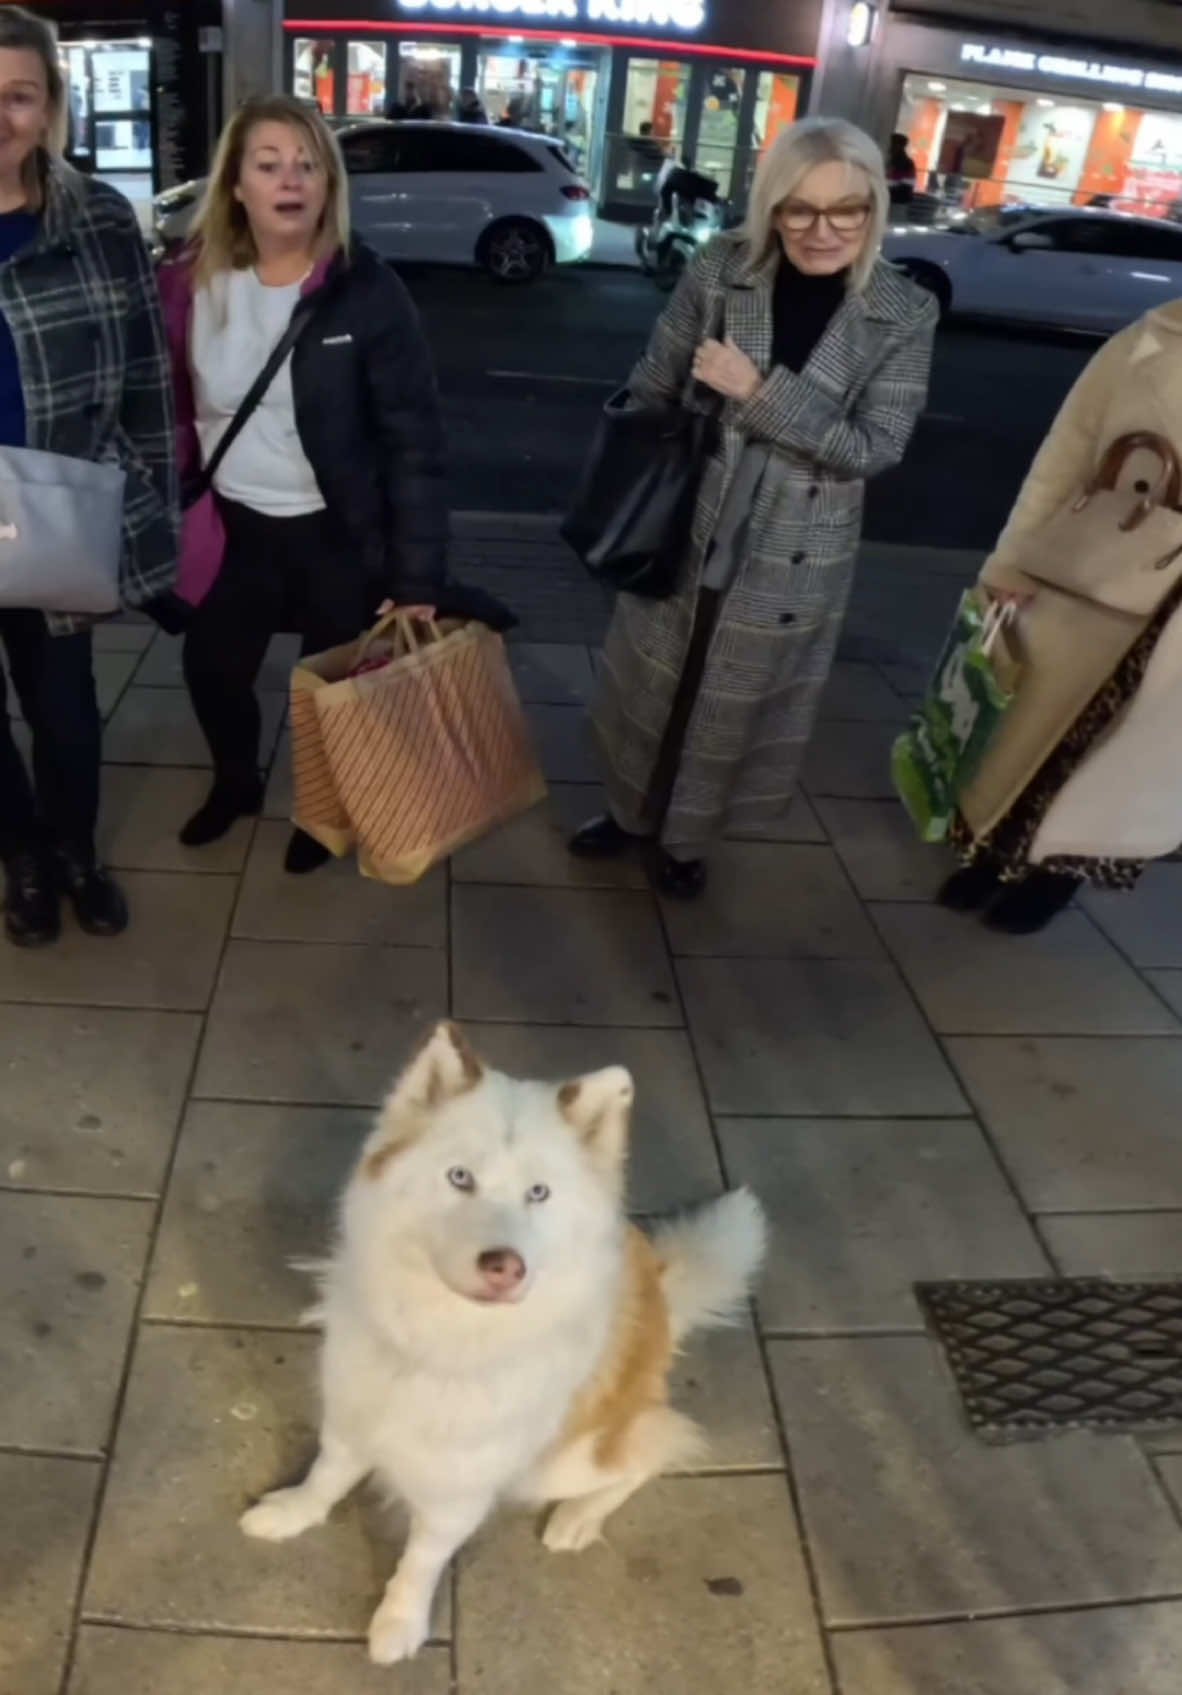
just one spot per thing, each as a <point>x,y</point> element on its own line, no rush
<point>151,516</point>
<point>402,399</point>
<point>663,371</point>
<point>794,412</point>
<point>1063,462</point>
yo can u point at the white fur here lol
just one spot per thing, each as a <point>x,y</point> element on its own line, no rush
<point>451,1403</point>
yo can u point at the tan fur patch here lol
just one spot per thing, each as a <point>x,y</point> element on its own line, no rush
<point>568,1095</point>
<point>634,1372</point>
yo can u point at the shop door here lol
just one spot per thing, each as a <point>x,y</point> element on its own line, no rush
<point>560,92</point>
<point>721,130</point>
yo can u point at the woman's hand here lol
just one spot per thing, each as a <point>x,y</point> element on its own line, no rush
<point>725,368</point>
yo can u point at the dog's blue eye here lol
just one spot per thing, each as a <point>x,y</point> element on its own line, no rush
<point>537,1194</point>
<point>461,1178</point>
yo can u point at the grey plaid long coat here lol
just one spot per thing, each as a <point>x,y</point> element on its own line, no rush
<point>82,307</point>
<point>848,415</point>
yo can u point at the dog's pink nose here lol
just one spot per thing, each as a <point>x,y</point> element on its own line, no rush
<point>501,1268</point>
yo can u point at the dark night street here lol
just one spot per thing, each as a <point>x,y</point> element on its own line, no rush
<point>523,373</point>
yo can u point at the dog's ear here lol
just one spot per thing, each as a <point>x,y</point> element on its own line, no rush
<point>599,1109</point>
<point>443,1068</point>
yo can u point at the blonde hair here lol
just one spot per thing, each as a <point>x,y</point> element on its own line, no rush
<point>21,31</point>
<point>221,238</point>
<point>795,152</point>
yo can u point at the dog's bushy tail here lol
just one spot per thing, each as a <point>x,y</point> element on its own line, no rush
<point>710,1258</point>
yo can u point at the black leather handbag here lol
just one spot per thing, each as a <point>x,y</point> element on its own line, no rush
<point>632,514</point>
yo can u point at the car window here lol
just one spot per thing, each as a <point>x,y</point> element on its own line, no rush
<point>1162,242</point>
<point>371,150</point>
<point>1114,238</point>
<point>462,151</point>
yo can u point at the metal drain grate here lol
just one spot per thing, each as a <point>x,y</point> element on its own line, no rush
<point>1041,1354</point>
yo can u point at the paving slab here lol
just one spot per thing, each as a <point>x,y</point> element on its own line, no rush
<point>1104,1651</point>
<point>253,1189</point>
<point>563,743</point>
<point>863,1209</point>
<point>773,902</point>
<point>213,1419</point>
<point>1083,1125</point>
<point>885,859</point>
<point>112,673</point>
<point>720,1382</point>
<point>673,1160</point>
<point>302,1021</point>
<point>70,1270</point>
<point>118,637</point>
<point>1068,980</point>
<point>701,1586</point>
<point>143,809</point>
<point>851,760</point>
<point>277,802</point>
<point>813,1037</point>
<point>797,823</point>
<point>532,848</point>
<point>1145,923</point>
<point>43,1530</point>
<point>1169,986</point>
<point>167,958</point>
<point>603,960</point>
<point>158,727</point>
<point>90,1099</point>
<point>858,692</point>
<point>1116,1244</point>
<point>145,1662</point>
<point>910,1516</point>
<point>552,673</point>
<point>336,903</point>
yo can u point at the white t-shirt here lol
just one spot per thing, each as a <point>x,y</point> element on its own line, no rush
<point>237,321</point>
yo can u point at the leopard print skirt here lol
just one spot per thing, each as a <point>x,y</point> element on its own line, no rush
<point>1009,842</point>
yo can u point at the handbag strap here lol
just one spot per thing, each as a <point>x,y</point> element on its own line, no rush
<point>298,322</point>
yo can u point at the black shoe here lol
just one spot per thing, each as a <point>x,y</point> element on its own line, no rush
<point>1022,909</point>
<point>304,854</point>
<point>226,802</point>
<point>32,918</point>
<point>601,838</point>
<point>98,901</point>
<point>684,879</point>
<point>972,888</point>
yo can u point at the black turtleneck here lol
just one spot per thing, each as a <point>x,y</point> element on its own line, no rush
<point>801,309</point>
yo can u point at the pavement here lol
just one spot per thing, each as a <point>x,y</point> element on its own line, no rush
<point>912,1097</point>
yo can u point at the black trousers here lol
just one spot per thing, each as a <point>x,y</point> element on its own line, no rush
<point>267,586</point>
<point>53,677</point>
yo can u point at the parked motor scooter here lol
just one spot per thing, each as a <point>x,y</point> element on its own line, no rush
<point>687,214</point>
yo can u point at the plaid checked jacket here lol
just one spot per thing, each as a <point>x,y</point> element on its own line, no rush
<point>847,416</point>
<point>82,307</point>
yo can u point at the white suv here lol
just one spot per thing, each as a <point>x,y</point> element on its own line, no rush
<point>446,193</point>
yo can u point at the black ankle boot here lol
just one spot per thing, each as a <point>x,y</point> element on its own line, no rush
<point>1022,909</point>
<point>600,838</point>
<point>98,901</point>
<point>32,918</point>
<point>683,879</point>
<point>227,801</point>
<point>971,888</point>
<point>304,854</point>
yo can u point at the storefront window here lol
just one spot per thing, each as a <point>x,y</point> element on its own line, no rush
<point>365,95</point>
<point>656,97</point>
<point>122,101</point>
<point>428,79</point>
<point>314,77</point>
<point>77,76</point>
<point>976,146</point>
<point>718,132</point>
<point>555,91</point>
<point>776,100</point>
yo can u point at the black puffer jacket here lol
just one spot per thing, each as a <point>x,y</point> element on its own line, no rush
<point>367,412</point>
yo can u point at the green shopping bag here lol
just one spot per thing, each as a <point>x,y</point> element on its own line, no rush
<point>971,690</point>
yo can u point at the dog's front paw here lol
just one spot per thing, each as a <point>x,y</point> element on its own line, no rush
<point>572,1527</point>
<point>281,1515</point>
<point>396,1635</point>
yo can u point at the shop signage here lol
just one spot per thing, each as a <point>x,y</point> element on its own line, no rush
<point>1070,68</point>
<point>684,15</point>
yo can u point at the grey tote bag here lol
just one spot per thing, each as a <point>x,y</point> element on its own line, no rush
<point>61,532</point>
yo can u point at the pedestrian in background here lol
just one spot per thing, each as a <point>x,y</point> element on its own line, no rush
<point>816,353</point>
<point>471,108</point>
<point>332,494</point>
<point>83,374</point>
<point>900,170</point>
<point>1107,796</point>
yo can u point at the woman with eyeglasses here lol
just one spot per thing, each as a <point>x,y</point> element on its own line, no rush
<point>815,353</point>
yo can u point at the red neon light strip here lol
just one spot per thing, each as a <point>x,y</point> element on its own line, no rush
<point>670,48</point>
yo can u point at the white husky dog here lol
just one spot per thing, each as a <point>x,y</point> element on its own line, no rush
<point>494,1328</point>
